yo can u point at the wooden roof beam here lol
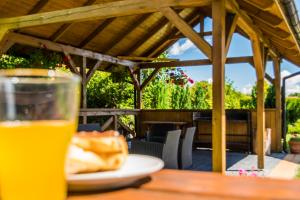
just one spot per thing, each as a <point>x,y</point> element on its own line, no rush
<point>38,6</point>
<point>247,25</point>
<point>65,27</point>
<point>97,31</point>
<point>275,32</point>
<point>187,30</point>
<point>261,4</point>
<point>188,63</point>
<point>230,25</point>
<point>98,11</point>
<point>140,58</point>
<point>36,42</point>
<point>267,17</point>
<point>126,32</point>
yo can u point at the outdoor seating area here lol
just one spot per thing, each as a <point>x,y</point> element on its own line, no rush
<point>140,148</point>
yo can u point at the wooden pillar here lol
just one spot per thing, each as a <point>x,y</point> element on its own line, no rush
<point>139,101</point>
<point>258,56</point>
<point>5,43</point>
<point>278,116</point>
<point>218,63</point>
<point>83,87</point>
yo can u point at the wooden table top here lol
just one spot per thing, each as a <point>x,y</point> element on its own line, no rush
<point>164,122</point>
<point>183,185</point>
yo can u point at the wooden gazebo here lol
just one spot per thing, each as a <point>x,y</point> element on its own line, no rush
<point>110,34</point>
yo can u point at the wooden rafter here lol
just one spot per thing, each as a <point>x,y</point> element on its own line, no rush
<point>187,30</point>
<point>38,6</point>
<point>36,42</point>
<point>202,34</point>
<point>5,43</point>
<point>275,32</point>
<point>164,43</point>
<point>65,27</point>
<point>98,11</point>
<point>126,32</point>
<point>97,31</point>
<point>231,60</point>
<point>284,43</point>
<point>230,25</point>
<point>93,70</point>
<point>261,4</point>
<point>149,78</point>
<point>267,17</point>
<point>140,58</point>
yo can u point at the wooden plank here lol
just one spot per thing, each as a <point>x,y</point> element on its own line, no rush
<point>278,116</point>
<point>149,78</point>
<point>36,42</point>
<point>38,6</point>
<point>92,71</point>
<point>5,43</point>
<point>126,32</point>
<point>65,27</point>
<point>115,117</point>
<point>186,63</point>
<point>187,30</point>
<point>98,11</point>
<point>218,111</point>
<point>230,25</point>
<point>97,31</point>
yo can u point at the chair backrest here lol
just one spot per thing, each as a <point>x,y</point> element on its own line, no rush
<point>89,127</point>
<point>187,148</point>
<point>170,150</point>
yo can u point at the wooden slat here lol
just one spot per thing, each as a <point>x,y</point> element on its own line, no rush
<point>126,32</point>
<point>92,71</point>
<point>98,11</point>
<point>230,24</point>
<point>187,30</point>
<point>38,6</point>
<point>278,116</point>
<point>218,71</point>
<point>97,31</point>
<point>149,78</point>
<point>65,27</point>
<point>35,42</point>
<point>186,63</point>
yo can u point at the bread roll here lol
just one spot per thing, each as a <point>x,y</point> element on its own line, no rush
<point>94,151</point>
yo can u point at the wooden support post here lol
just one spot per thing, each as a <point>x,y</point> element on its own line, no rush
<point>5,43</point>
<point>231,20</point>
<point>277,84</point>
<point>3,39</point>
<point>83,87</point>
<point>218,112</point>
<point>202,24</point>
<point>258,58</point>
<point>115,122</point>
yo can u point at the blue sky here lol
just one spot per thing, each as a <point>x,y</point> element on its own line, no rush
<point>243,75</point>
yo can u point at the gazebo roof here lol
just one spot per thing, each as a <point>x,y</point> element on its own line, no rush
<point>149,34</point>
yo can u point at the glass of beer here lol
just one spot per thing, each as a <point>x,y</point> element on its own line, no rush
<point>38,116</point>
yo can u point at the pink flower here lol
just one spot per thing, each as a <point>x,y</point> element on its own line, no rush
<point>242,172</point>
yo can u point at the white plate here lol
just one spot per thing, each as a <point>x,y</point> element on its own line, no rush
<point>135,168</point>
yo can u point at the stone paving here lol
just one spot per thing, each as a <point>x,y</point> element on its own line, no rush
<point>236,161</point>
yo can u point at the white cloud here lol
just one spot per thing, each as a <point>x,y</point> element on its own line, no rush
<point>178,49</point>
<point>292,84</point>
<point>247,89</point>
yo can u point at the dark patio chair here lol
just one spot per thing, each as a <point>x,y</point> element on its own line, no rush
<point>167,151</point>
<point>186,149</point>
<point>158,132</point>
<point>89,127</point>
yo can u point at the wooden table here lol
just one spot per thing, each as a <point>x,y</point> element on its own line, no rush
<point>183,185</point>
